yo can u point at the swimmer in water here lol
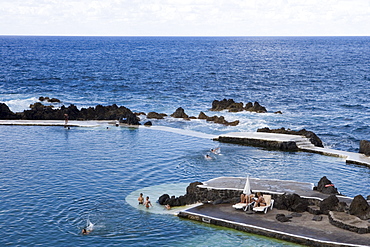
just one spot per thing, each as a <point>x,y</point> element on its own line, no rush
<point>208,157</point>
<point>85,231</point>
<point>88,229</point>
<point>216,150</point>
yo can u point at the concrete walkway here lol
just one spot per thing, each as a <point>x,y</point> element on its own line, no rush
<point>71,123</point>
<point>303,144</point>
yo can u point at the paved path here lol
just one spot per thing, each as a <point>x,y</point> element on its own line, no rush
<point>303,144</point>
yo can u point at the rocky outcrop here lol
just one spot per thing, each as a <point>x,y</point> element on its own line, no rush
<point>192,196</point>
<point>291,202</point>
<point>232,106</point>
<point>365,147</point>
<point>50,100</point>
<point>331,203</point>
<point>6,113</point>
<point>38,111</point>
<point>180,113</point>
<point>360,208</point>
<point>314,139</point>
<point>325,186</point>
<point>216,119</point>
<point>155,115</point>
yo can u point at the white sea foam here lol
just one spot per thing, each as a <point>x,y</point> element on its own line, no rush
<point>19,105</point>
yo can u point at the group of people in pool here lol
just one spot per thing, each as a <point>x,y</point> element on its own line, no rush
<point>214,151</point>
<point>145,202</point>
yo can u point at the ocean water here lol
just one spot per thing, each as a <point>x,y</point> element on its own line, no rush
<point>55,181</point>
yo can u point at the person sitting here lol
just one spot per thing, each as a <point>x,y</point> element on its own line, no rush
<point>246,198</point>
<point>260,200</point>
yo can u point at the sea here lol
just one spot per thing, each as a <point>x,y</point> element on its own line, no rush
<point>56,181</point>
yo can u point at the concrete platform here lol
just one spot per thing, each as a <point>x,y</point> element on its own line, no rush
<point>301,230</point>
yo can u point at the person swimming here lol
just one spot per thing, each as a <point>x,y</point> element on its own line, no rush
<point>88,229</point>
<point>85,231</point>
<point>208,157</point>
<point>216,150</point>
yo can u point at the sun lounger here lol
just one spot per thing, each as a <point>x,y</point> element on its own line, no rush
<point>240,205</point>
<point>243,206</point>
<point>269,204</point>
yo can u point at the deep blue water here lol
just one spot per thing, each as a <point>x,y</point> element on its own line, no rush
<point>53,180</point>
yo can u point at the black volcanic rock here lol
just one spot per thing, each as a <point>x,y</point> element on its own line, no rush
<point>38,111</point>
<point>360,208</point>
<point>155,115</point>
<point>291,202</point>
<point>179,113</point>
<point>216,119</point>
<point>6,113</point>
<point>329,204</point>
<point>365,147</point>
<point>325,186</point>
<point>232,106</point>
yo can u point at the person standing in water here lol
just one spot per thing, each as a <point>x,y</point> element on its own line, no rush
<point>148,203</point>
<point>65,120</point>
<point>141,199</point>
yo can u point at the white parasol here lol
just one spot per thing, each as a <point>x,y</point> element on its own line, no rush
<point>247,188</point>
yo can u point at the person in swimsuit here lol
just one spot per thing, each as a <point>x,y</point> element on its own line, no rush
<point>260,200</point>
<point>148,203</point>
<point>141,199</point>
